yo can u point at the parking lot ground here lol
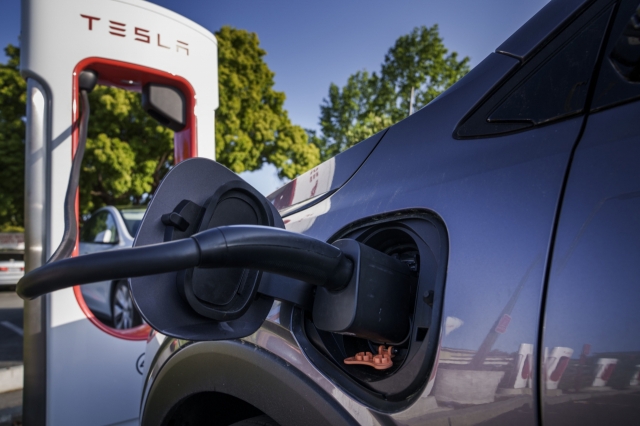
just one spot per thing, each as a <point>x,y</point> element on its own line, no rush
<point>11,326</point>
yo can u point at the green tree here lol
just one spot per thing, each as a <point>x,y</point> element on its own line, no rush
<point>127,153</point>
<point>252,126</point>
<point>369,103</point>
<point>13,94</point>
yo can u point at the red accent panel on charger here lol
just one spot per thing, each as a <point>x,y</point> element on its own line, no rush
<point>131,77</point>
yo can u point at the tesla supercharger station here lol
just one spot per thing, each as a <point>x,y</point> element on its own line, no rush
<point>78,371</point>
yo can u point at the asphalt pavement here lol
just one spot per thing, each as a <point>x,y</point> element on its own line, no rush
<point>11,308</point>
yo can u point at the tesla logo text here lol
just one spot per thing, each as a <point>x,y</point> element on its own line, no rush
<point>119,29</point>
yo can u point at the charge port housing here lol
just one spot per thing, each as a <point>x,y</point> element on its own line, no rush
<point>419,240</point>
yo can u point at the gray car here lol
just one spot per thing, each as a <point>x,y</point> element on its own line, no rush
<point>11,267</point>
<point>515,199</point>
<point>111,228</point>
<point>476,263</point>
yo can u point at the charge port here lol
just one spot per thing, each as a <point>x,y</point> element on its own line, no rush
<point>418,241</point>
<point>397,243</point>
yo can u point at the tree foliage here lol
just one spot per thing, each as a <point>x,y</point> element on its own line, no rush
<point>370,102</point>
<point>13,94</point>
<point>252,126</point>
<point>127,153</point>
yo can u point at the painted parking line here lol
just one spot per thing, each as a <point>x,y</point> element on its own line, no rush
<point>12,327</point>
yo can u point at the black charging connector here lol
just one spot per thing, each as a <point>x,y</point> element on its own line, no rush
<point>376,302</point>
<point>361,291</point>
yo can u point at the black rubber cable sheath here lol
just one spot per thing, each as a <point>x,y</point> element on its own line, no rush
<point>275,250</point>
<point>240,246</point>
<point>109,265</point>
<point>70,235</point>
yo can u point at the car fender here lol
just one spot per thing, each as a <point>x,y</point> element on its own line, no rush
<point>247,372</point>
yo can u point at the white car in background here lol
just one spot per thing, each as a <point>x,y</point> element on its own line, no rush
<point>111,228</point>
<point>11,267</point>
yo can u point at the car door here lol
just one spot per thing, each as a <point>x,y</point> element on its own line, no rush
<point>592,320</point>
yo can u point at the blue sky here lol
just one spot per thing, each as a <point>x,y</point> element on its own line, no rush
<point>313,44</point>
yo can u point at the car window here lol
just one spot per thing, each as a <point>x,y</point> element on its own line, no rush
<point>132,219</point>
<point>551,86</point>
<point>559,87</point>
<point>6,257</point>
<point>100,228</point>
<point>620,70</point>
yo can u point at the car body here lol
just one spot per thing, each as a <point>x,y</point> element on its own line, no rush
<point>110,228</point>
<point>11,267</point>
<point>517,195</point>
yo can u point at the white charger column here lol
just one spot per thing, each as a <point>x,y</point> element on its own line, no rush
<point>75,372</point>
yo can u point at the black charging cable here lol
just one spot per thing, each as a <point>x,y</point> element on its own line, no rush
<point>238,246</point>
<point>86,82</point>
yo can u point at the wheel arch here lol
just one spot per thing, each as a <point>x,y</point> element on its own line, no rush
<point>246,372</point>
